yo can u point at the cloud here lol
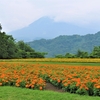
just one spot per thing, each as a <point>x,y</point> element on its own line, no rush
<point>73,10</point>
<point>16,14</point>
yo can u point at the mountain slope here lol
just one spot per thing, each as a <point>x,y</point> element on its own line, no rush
<point>47,28</point>
<point>66,44</point>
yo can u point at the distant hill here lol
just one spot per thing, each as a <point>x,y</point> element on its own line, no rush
<point>47,28</point>
<point>66,44</point>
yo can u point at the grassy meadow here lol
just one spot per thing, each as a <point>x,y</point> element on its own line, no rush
<point>25,79</point>
<point>15,93</point>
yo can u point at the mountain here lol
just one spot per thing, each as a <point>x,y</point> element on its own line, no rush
<point>66,44</point>
<point>47,28</point>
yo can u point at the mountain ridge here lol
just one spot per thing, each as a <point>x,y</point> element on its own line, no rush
<point>66,44</point>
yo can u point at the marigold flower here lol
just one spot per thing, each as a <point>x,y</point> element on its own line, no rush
<point>0,84</point>
<point>40,88</point>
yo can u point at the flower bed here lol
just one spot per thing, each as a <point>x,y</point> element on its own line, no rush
<point>74,79</point>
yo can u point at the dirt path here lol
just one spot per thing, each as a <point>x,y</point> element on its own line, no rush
<point>49,86</point>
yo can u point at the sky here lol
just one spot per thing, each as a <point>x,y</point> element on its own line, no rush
<point>16,14</point>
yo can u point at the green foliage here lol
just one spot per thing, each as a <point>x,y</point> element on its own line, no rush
<point>82,91</point>
<point>90,86</point>
<point>0,27</point>
<point>59,56</point>
<point>10,49</point>
<point>82,54</point>
<point>69,55</point>
<point>67,44</point>
<point>96,92</point>
<point>22,84</point>
<point>7,46</point>
<point>96,52</point>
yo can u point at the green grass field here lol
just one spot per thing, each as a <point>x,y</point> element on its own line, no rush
<point>15,93</point>
<point>69,63</point>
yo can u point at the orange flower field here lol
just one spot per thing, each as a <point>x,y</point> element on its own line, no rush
<point>71,78</point>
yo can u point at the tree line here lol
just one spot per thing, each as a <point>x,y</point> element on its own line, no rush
<point>9,48</point>
<point>82,54</point>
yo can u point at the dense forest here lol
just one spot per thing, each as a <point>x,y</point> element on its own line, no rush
<point>66,44</point>
<point>9,48</point>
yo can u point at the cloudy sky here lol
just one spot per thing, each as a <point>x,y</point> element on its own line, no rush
<point>15,14</point>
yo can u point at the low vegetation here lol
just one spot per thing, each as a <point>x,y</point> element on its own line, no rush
<point>15,93</point>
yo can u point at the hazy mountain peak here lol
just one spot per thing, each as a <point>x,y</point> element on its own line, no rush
<point>42,20</point>
<point>47,28</point>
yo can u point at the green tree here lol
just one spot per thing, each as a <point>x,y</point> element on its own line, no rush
<point>69,55</point>
<point>3,46</point>
<point>7,46</point>
<point>25,51</point>
<point>82,54</point>
<point>96,52</point>
<point>11,47</point>
<point>59,56</point>
<point>0,27</point>
<point>24,46</point>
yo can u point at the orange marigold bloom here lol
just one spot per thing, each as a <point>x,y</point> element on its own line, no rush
<point>98,87</point>
<point>94,80</point>
<point>40,88</point>
<point>0,84</point>
<point>58,80</point>
<point>27,86</point>
<point>17,84</point>
<point>78,84</point>
<point>65,84</point>
<point>32,86</point>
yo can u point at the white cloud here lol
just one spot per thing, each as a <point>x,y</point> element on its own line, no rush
<point>74,10</point>
<point>16,14</point>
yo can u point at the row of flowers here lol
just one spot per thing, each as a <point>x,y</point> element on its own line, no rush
<point>20,75</point>
<point>74,79</point>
